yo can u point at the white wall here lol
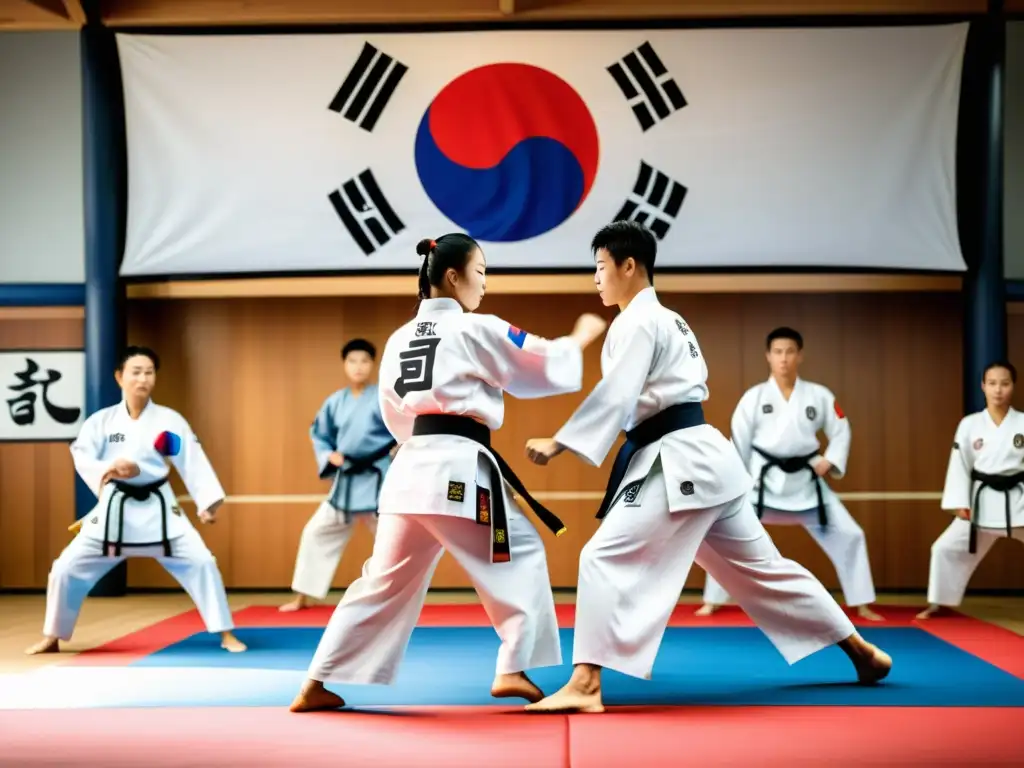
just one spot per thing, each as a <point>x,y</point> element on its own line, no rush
<point>41,230</point>
<point>1013,153</point>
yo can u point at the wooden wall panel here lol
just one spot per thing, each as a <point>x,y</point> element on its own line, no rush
<point>250,373</point>
<point>37,480</point>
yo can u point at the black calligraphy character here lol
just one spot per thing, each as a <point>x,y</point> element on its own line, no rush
<point>417,366</point>
<point>425,329</point>
<point>23,407</point>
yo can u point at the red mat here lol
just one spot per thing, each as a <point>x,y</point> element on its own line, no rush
<point>999,647</point>
<point>494,738</point>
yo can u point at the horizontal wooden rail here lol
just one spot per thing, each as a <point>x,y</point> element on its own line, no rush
<point>532,284</point>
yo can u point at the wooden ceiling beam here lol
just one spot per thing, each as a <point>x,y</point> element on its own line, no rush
<point>34,15</point>
<point>120,13</point>
<point>75,12</point>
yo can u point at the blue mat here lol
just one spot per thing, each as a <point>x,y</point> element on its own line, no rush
<point>696,666</point>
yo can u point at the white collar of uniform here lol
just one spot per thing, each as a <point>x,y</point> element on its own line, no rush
<point>646,297</point>
<point>124,406</point>
<point>438,305</point>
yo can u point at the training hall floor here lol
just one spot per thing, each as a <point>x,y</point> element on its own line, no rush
<point>142,684</point>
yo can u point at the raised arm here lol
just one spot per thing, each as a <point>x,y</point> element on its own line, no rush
<point>956,494</point>
<point>524,365</point>
<point>196,471</point>
<point>86,452</point>
<point>837,429</point>
<point>324,436</point>
<point>591,431</point>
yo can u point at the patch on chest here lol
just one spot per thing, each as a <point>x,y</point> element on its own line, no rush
<point>767,408</point>
<point>978,444</point>
<point>686,488</point>
<point>176,510</point>
<point>812,412</point>
<point>456,491</point>
<point>1018,440</point>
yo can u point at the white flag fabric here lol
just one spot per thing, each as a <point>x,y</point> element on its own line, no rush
<point>739,148</point>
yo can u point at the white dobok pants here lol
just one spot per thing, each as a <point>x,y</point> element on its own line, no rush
<point>842,540</point>
<point>322,544</point>
<point>634,568</point>
<point>952,564</point>
<point>75,572</point>
<point>369,631</point>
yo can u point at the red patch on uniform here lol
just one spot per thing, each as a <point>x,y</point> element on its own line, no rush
<point>839,411</point>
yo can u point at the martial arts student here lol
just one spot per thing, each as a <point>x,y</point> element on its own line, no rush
<point>121,453</point>
<point>775,429</point>
<point>983,490</point>
<point>442,379</point>
<point>678,491</point>
<point>352,445</point>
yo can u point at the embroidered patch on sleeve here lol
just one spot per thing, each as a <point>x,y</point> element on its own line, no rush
<point>517,336</point>
<point>839,411</point>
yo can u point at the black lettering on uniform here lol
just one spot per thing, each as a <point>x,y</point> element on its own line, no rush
<point>417,366</point>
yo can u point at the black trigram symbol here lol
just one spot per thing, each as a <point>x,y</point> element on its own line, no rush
<point>655,201</point>
<point>385,72</point>
<point>365,211</point>
<point>657,89</point>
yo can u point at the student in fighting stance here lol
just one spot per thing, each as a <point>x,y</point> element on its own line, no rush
<point>353,446</point>
<point>677,492</point>
<point>442,380</point>
<point>775,429</point>
<point>122,454</point>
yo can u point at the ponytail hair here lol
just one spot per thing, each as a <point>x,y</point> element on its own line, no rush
<point>451,251</point>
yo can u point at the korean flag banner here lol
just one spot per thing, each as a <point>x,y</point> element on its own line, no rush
<point>738,148</point>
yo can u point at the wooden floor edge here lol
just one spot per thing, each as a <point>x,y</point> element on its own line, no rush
<point>405,285</point>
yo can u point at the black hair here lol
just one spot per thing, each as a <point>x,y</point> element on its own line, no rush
<point>626,238</point>
<point>359,345</point>
<point>784,333</point>
<point>135,351</point>
<point>1001,364</point>
<point>451,251</point>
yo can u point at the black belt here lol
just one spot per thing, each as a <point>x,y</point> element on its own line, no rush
<point>126,491</point>
<point>463,426</point>
<point>1002,483</point>
<point>790,466</point>
<point>650,430</point>
<point>360,465</point>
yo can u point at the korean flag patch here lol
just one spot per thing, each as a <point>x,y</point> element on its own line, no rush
<point>517,336</point>
<point>167,444</point>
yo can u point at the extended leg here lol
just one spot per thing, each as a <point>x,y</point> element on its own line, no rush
<point>789,605</point>
<point>195,568</point>
<point>72,576</point>
<point>321,546</point>
<point>370,629</point>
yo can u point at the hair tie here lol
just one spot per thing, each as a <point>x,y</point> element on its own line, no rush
<point>433,244</point>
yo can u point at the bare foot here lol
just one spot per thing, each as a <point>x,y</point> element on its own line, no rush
<point>299,603</point>
<point>581,694</point>
<point>865,612</point>
<point>46,645</point>
<point>707,609</point>
<point>930,611</point>
<point>231,643</point>
<point>516,686</point>
<point>315,698</point>
<point>871,662</point>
